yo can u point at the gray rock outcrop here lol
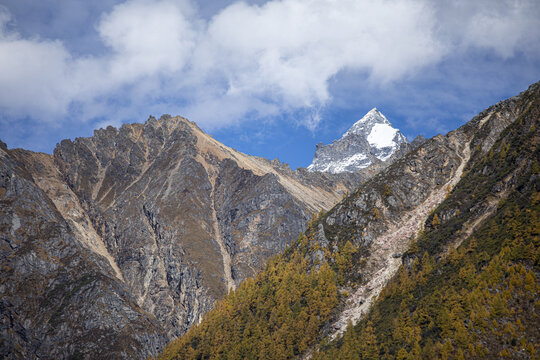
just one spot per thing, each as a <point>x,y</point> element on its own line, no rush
<point>117,243</point>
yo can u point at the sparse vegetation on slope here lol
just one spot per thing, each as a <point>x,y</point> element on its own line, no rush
<point>277,315</point>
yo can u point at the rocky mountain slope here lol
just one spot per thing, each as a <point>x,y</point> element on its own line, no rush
<point>56,292</point>
<point>437,198</point>
<point>117,243</point>
<point>371,140</point>
<point>468,286</point>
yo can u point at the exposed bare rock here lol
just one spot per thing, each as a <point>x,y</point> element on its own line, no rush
<point>60,296</point>
<point>125,239</point>
<point>384,215</point>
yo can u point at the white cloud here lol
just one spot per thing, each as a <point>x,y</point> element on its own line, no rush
<point>33,74</point>
<point>291,49</point>
<point>285,52</point>
<point>147,38</point>
<point>248,60</point>
<point>508,28</point>
<point>503,26</point>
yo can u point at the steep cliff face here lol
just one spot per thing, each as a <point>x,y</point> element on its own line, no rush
<point>448,186</point>
<point>166,220</point>
<point>59,296</point>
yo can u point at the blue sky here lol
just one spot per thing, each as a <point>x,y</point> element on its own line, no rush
<point>269,78</point>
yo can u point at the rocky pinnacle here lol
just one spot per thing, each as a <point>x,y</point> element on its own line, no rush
<point>372,139</point>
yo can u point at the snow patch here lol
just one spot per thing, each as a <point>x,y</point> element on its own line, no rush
<point>356,160</point>
<point>370,138</point>
<point>382,135</point>
<point>373,116</point>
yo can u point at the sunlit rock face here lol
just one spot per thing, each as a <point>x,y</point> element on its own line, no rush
<point>370,140</point>
<point>119,242</point>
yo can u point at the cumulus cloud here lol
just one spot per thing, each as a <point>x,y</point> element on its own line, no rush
<point>288,50</point>
<point>146,38</point>
<point>33,73</point>
<point>505,27</point>
<point>247,61</point>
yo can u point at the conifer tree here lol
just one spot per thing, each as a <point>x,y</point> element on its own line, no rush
<point>368,343</point>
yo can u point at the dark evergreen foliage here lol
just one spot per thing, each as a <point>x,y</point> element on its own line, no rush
<point>465,290</point>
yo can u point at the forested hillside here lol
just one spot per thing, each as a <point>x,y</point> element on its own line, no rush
<point>463,292</point>
<point>279,314</point>
<point>468,283</point>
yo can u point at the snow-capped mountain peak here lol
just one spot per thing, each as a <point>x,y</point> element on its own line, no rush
<point>373,116</point>
<point>370,139</point>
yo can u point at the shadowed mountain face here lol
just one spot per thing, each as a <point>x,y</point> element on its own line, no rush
<point>117,243</point>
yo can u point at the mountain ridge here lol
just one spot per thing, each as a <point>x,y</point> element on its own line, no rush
<point>117,243</point>
<point>468,285</point>
<point>351,240</point>
<point>176,218</point>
